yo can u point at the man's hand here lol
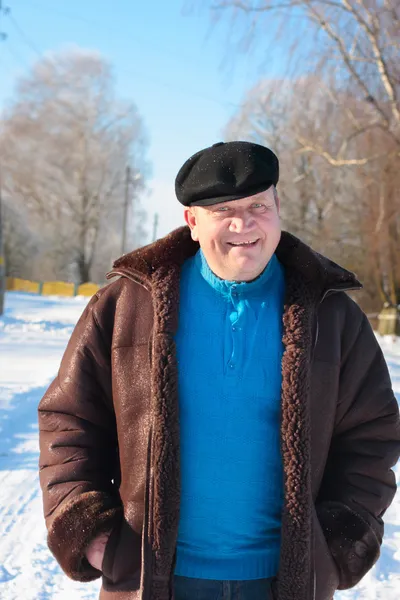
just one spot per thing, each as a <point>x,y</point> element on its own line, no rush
<point>352,542</point>
<point>95,550</point>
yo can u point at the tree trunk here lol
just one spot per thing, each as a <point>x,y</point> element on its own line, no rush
<point>83,269</point>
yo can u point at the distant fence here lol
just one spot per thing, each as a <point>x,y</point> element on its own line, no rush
<point>61,288</point>
<point>51,288</point>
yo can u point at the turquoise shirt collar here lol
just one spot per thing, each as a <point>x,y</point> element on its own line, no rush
<point>243,289</point>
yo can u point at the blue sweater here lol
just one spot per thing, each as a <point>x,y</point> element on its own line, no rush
<point>229,352</point>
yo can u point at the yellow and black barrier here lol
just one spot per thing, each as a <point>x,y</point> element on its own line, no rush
<point>51,288</point>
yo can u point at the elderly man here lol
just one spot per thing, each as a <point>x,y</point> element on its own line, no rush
<point>223,424</point>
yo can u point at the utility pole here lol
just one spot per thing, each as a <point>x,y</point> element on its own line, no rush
<point>2,260</point>
<point>3,37</point>
<point>155,226</point>
<point>129,179</point>
<point>126,207</point>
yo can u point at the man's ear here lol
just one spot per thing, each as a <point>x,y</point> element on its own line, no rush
<point>277,200</point>
<point>191,219</point>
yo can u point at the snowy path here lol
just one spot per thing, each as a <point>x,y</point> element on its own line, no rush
<point>33,335</point>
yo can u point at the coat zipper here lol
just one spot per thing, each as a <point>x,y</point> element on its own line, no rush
<point>148,526</point>
<point>326,293</point>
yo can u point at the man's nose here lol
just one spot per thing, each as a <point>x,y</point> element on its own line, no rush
<point>241,222</point>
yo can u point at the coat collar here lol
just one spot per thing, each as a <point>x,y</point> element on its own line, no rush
<point>172,250</point>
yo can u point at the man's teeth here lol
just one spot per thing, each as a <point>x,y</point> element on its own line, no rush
<point>243,243</point>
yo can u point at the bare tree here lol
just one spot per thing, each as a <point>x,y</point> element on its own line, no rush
<point>20,245</point>
<point>351,214</point>
<point>354,42</point>
<point>276,113</point>
<point>351,122</point>
<point>67,141</point>
<point>380,228</point>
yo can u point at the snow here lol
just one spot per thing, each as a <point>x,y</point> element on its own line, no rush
<point>34,332</point>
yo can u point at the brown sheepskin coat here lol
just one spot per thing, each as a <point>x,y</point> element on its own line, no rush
<point>109,430</point>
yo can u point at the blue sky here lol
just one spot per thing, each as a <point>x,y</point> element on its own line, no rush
<point>179,69</point>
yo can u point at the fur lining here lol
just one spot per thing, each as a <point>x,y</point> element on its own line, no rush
<point>77,524</point>
<point>294,572</point>
<point>354,546</point>
<point>166,490</point>
<point>173,249</point>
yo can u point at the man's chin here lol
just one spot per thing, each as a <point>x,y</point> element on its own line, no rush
<point>247,273</point>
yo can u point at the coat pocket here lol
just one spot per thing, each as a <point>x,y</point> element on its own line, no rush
<point>327,574</point>
<point>109,553</point>
<point>122,557</point>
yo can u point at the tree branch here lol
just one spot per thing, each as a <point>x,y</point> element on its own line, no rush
<point>380,61</point>
<point>315,16</point>
<point>308,146</point>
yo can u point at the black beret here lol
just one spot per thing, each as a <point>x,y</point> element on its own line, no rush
<point>224,172</point>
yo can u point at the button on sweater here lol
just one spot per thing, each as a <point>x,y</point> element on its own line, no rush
<point>229,353</point>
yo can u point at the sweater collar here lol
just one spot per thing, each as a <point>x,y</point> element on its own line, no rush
<point>243,289</point>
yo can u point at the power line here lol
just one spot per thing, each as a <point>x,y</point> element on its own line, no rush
<point>96,24</point>
<point>128,180</point>
<point>23,35</point>
<point>62,13</point>
<point>4,10</point>
<point>155,226</point>
<point>16,55</point>
<point>151,79</point>
<point>3,65</point>
<point>182,91</point>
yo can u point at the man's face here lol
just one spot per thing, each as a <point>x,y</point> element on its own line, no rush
<point>224,231</point>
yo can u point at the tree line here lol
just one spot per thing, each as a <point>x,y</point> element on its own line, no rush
<point>66,144</point>
<point>334,122</point>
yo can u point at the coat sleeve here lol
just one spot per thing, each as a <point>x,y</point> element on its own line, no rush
<point>359,484</point>
<point>78,448</point>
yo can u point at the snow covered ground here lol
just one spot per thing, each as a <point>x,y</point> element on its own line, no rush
<point>33,334</point>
